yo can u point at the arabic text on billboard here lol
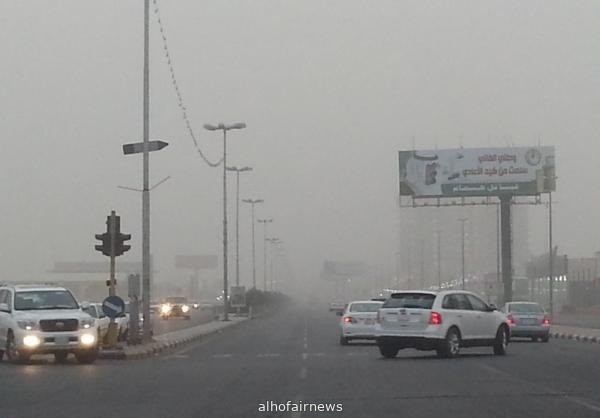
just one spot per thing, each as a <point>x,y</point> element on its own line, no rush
<point>477,172</point>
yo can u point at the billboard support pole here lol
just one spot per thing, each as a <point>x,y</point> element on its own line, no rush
<point>505,226</point>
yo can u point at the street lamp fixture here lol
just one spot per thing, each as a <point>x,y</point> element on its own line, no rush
<point>223,127</point>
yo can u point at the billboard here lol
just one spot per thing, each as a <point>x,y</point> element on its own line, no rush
<point>477,172</point>
<point>342,269</point>
<point>196,262</point>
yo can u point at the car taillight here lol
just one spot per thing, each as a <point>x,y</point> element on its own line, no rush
<point>349,320</point>
<point>510,319</point>
<point>435,318</point>
<point>546,321</point>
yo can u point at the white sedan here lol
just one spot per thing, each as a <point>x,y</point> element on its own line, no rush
<point>358,321</point>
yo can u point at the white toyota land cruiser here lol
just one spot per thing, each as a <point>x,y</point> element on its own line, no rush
<point>38,319</point>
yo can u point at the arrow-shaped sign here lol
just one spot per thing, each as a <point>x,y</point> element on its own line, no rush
<point>138,147</point>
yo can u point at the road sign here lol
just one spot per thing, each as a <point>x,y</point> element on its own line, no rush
<point>138,147</point>
<point>113,306</point>
<point>238,297</point>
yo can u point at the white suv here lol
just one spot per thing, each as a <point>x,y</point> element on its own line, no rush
<point>45,320</point>
<point>443,321</point>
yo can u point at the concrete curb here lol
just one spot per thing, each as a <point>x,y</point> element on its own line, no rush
<point>574,337</point>
<point>169,341</point>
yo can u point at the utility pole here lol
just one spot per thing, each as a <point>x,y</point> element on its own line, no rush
<point>462,221</point>
<point>265,222</point>
<point>225,128</point>
<point>237,221</point>
<point>253,202</point>
<point>439,257</point>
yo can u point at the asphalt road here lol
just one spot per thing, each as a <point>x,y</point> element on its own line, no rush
<point>162,326</point>
<point>294,356</point>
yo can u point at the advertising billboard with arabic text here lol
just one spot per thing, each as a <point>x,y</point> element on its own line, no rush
<point>521,171</point>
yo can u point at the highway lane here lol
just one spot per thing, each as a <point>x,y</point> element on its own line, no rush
<point>295,356</point>
<point>162,326</point>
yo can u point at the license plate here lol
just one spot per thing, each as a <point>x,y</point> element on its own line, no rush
<point>403,317</point>
<point>62,340</point>
<point>530,321</point>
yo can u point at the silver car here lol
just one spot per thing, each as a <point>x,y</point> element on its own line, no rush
<point>527,320</point>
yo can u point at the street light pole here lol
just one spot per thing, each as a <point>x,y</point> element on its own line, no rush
<point>265,222</point>
<point>225,128</point>
<point>274,241</point>
<point>147,327</point>
<point>237,222</point>
<point>550,258</point>
<point>253,202</point>
<point>462,221</point>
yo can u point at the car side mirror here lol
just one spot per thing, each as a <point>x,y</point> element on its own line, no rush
<point>339,313</point>
<point>492,307</point>
<point>85,305</point>
<point>4,307</point>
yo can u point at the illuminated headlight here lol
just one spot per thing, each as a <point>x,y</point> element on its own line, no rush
<point>88,339</point>
<point>196,305</point>
<point>185,308</point>
<point>31,341</point>
<point>28,325</point>
<point>165,309</point>
<point>87,323</point>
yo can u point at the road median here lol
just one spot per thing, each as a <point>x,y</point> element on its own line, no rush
<point>169,341</point>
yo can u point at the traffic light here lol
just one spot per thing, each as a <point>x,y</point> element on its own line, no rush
<point>120,247</point>
<point>104,248</point>
<point>113,238</point>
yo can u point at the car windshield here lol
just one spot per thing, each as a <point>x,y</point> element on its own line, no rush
<point>410,300</point>
<point>365,307</point>
<point>533,308</point>
<point>44,299</point>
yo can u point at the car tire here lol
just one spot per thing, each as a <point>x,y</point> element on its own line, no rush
<point>12,354</point>
<point>501,342</point>
<point>343,340</point>
<point>546,338</point>
<point>86,357</point>
<point>450,346</point>
<point>388,351</point>
<point>61,357</point>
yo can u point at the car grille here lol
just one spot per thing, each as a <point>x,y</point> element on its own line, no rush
<point>59,325</point>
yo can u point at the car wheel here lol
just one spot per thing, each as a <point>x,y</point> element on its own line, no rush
<point>501,342</point>
<point>61,356</point>
<point>343,340</point>
<point>545,338</point>
<point>86,357</point>
<point>388,351</point>
<point>450,346</point>
<point>12,354</point>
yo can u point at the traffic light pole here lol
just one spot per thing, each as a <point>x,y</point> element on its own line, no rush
<point>112,224</point>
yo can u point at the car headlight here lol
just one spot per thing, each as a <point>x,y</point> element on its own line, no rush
<point>185,308</point>
<point>196,305</point>
<point>88,339</point>
<point>28,325</point>
<point>31,341</point>
<point>87,323</point>
<point>165,309</point>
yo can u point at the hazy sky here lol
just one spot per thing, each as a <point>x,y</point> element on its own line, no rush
<point>330,91</point>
